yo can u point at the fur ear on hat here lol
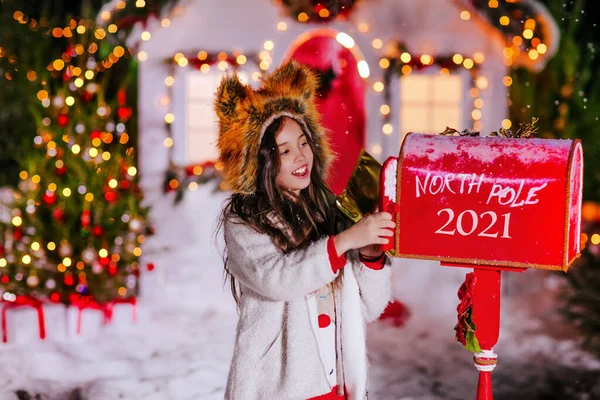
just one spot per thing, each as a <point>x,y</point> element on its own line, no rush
<point>292,79</point>
<point>229,96</point>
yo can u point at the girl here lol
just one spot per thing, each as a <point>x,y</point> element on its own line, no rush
<point>304,294</point>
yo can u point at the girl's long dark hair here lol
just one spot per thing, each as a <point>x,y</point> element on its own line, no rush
<point>301,219</point>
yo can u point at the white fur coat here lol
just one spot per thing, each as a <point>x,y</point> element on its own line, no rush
<point>277,354</point>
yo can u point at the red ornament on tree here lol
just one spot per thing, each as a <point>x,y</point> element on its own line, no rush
<point>60,171</point>
<point>150,266</point>
<point>49,198</point>
<point>97,231</point>
<point>63,120</point>
<point>85,218</point>
<point>124,113</point>
<point>95,134</point>
<point>111,196</point>
<point>17,234</point>
<point>121,97</point>
<point>69,281</point>
<point>86,96</point>
<point>124,184</point>
<point>104,261</point>
<point>112,268</point>
<point>59,214</point>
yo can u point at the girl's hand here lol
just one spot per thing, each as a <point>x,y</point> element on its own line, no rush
<point>368,231</point>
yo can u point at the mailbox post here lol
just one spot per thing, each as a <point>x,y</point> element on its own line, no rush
<point>491,204</point>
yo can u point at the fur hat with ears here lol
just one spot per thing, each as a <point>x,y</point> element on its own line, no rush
<point>244,115</point>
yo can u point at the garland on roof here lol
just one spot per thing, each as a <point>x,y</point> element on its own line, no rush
<point>317,10</point>
<point>514,18</point>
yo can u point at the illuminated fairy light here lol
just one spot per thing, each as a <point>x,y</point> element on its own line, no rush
<point>506,123</point>
<point>533,54</point>
<point>268,45</point>
<point>168,142</point>
<point>376,149</point>
<point>426,59</point>
<point>363,69</point>
<point>182,62</point>
<point>345,40</point>
<point>482,82</point>
<point>542,48</point>
<point>113,183</point>
<point>282,26</point>
<point>377,43</point>
<point>241,59</point>
<point>465,15</point>
<point>105,15</point>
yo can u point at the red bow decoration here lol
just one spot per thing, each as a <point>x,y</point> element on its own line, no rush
<point>465,328</point>
<point>82,302</point>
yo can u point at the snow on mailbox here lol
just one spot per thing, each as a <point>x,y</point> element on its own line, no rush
<point>489,201</point>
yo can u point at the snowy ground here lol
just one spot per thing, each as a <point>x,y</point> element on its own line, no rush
<point>182,349</point>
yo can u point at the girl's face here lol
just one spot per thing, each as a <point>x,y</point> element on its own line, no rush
<point>296,157</point>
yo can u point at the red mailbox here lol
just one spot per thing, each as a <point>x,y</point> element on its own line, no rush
<point>489,200</point>
<point>487,203</point>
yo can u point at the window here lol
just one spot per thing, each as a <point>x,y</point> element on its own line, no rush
<point>201,121</point>
<point>430,103</point>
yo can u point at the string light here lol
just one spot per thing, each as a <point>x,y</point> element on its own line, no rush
<point>363,69</point>
<point>345,40</point>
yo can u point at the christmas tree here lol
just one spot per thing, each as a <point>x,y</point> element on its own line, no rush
<point>76,224</point>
